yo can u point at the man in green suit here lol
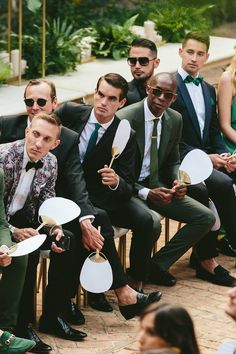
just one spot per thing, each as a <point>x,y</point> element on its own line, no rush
<point>158,132</point>
<point>12,272</point>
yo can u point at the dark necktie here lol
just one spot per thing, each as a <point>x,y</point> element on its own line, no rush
<point>93,138</point>
<point>153,179</point>
<point>195,80</point>
<point>35,165</point>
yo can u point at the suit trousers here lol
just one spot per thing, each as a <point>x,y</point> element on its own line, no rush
<point>59,278</point>
<point>219,187</point>
<point>198,219</point>
<point>145,228</point>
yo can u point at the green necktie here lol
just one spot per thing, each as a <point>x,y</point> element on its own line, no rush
<point>153,179</point>
<point>195,80</point>
<point>93,138</point>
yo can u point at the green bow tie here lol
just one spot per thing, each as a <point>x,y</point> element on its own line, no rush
<point>195,80</point>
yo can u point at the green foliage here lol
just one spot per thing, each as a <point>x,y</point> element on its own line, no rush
<point>174,23</point>
<point>113,40</point>
<point>5,72</point>
<point>63,48</point>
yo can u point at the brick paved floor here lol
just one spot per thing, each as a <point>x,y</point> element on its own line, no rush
<point>110,333</point>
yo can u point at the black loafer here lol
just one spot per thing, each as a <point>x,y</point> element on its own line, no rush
<point>61,329</point>
<point>99,302</point>
<point>161,277</point>
<point>40,346</point>
<point>224,247</point>
<point>221,276</point>
<point>73,315</point>
<point>130,311</point>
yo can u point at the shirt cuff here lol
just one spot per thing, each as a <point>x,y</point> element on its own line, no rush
<point>113,189</point>
<point>143,193</point>
<point>91,217</point>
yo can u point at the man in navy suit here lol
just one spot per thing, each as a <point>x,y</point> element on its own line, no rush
<point>196,102</point>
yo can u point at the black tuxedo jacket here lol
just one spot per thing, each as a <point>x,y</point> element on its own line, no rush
<point>135,93</point>
<point>70,181</point>
<point>211,142</point>
<point>75,117</point>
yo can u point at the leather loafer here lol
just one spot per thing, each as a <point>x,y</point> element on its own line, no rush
<point>224,247</point>
<point>13,344</point>
<point>221,276</point>
<point>99,302</point>
<point>130,311</point>
<point>161,277</point>
<point>73,315</point>
<point>40,346</point>
<point>60,328</point>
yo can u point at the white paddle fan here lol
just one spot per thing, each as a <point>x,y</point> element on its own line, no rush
<point>27,246</point>
<point>120,140</point>
<point>96,274</point>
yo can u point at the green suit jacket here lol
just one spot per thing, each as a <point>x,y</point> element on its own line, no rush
<point>168,152</point>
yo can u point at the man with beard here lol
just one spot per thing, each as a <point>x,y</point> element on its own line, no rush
<point>142,60</point>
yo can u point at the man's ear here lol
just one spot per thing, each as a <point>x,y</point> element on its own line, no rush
<point>156,63</point>
<point>180,51</point>
<point>122,103</point>
<point>174,98</point>
<point>27,131</point>
<point>56,143</point>
<point>54,103</point>
<point>147,90</point>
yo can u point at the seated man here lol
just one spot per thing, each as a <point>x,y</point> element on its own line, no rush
<point>158,132</point>
<point>110,189</point>
<point>30,173</point>
<point>12,276</point>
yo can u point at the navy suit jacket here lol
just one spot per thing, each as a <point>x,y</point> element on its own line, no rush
<point>75,116</point>
<point>211,142</point>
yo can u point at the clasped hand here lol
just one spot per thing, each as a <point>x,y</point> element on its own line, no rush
<point>164,196</point>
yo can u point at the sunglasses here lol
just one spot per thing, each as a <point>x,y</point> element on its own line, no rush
<point>41,102</point>
<point>157,91</point>
<point>143,61</point>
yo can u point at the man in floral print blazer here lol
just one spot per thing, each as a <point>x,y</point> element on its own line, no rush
<point>30,175</point>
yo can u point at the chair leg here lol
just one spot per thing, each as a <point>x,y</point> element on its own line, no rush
<point>122,251</point>
<point>167,230</point>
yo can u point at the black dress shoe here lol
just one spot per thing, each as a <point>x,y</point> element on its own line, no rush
<point>99,302</point>
<point>161,277</point>
<point>224,247</point>
<point>73,315</point>
<point>130,311</point>
<point>60,328</point>
<point>40,346</point>
<point>221,276</point>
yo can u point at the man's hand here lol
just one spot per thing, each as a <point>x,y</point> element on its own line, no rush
<point>109,177</point>
<point>161,196</point>
<point>23,234</point>
<point>5,260</point>
<point>231,164</point>
<point>58,234</point>
<point>219,161</point>
<point>91,238</point>
<point>180,189</point>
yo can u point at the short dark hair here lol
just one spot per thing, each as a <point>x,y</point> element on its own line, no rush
<point>116,81</point>
<point>51,118</point>
<point>174,324</point>
<point>35,82</point>
<point>197,36</point>
<point>145,43</point>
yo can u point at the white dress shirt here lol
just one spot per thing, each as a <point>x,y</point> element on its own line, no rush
<point>197,98</point>
<point>145,170</point>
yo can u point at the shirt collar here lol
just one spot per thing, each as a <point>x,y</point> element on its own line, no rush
<point>93,119</point>
<point>148,115</point>
<point>183,73</point>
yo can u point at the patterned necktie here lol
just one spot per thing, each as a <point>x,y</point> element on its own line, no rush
<point>195,80</point>
<point>93,138</point>
<point>153,179</point>
<point>35,165</point>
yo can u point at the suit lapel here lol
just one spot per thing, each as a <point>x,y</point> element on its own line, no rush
<point>182,90</point>
<point>165,137</point>
<point>83,120</point>
<point>208,109</point>
<point>139,127</point>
